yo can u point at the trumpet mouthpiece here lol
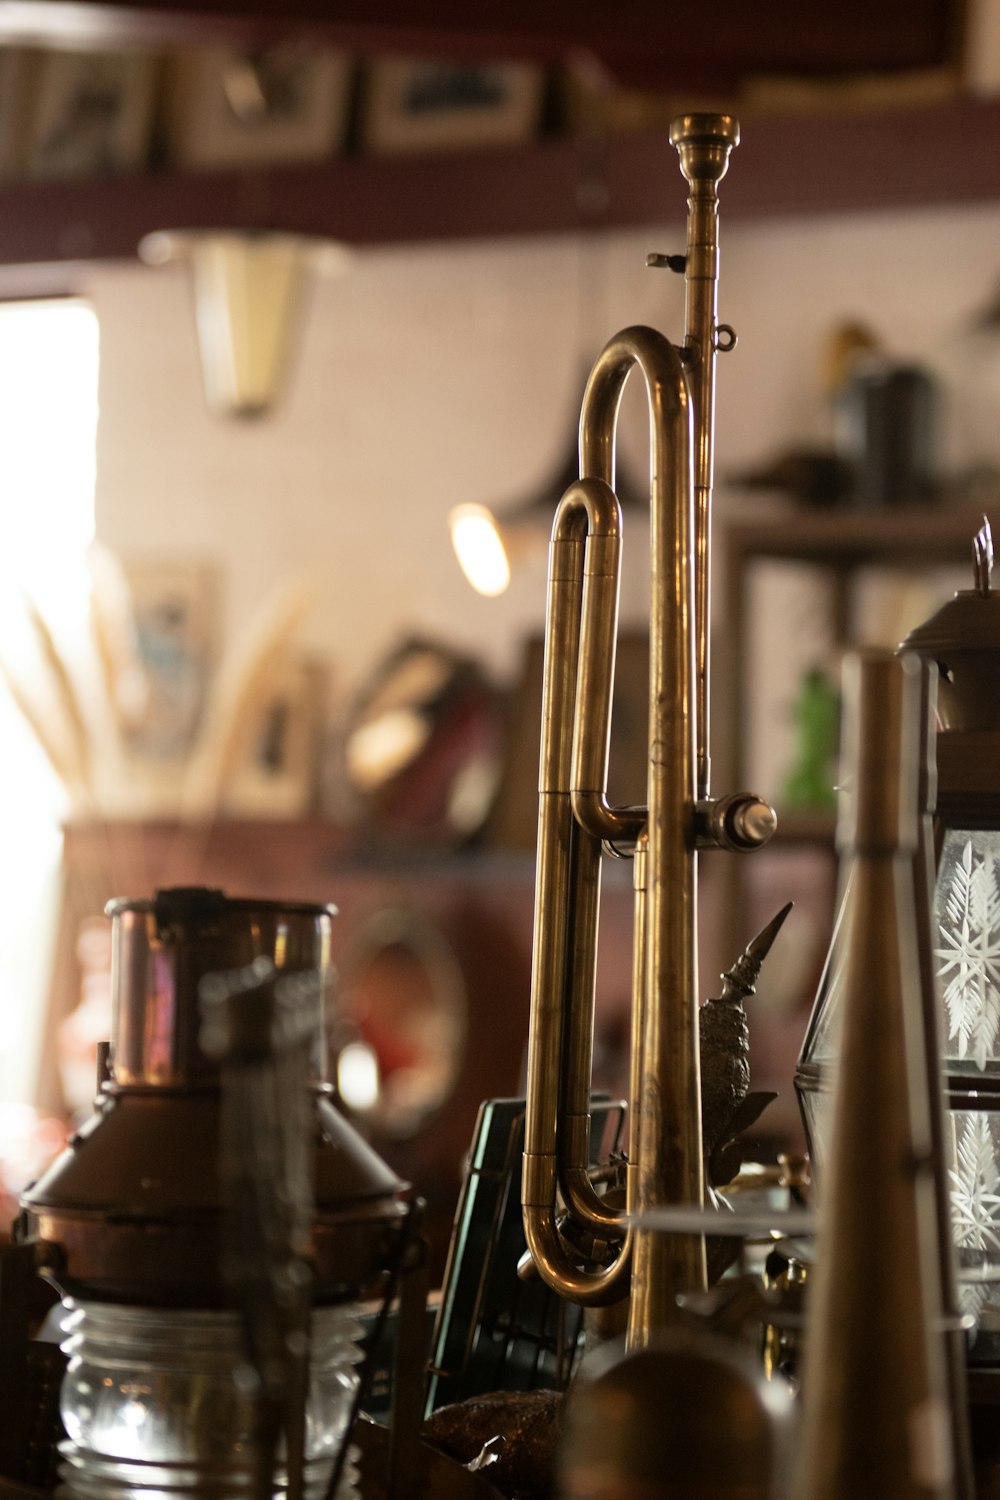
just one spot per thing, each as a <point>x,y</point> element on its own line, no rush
<point>703,143</point>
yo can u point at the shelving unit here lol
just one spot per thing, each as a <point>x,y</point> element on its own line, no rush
<point>939,154</point>
<point>800,864</point>
<point>839,543</point>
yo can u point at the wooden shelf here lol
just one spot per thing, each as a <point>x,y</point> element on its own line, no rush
<point>847,539</point>
<point>945,154</point>
<point>283,858</point>
<point>839,542</point>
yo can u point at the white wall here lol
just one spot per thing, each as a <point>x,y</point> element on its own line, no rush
<point>433,374</point>
<point>426,376</point>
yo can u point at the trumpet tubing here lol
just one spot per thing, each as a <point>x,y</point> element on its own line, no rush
<point>703,145</point>
<point>577,822</point>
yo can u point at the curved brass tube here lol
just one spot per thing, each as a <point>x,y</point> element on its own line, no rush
<point>576,819</point>
<point>583,607</point>
<point>582,626</point>
<point>666,1157</point>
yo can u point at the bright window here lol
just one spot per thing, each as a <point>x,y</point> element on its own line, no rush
<point>48,430</point>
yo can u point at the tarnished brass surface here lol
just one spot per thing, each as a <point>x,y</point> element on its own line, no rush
<point>703,144</point>
<point>576,819</point>
<point>876,1419</point>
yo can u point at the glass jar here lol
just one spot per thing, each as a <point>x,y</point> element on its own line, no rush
<point>161,1401</point>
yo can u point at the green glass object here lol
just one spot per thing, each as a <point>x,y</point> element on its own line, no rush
<point>811,783</point>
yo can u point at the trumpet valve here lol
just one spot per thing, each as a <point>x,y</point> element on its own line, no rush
<point>741,822</point>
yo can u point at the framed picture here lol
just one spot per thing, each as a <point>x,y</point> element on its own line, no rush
<point>91,115</point>
<point>278,773</point>
<point>226,108</point>
<point>423,104</point>
<point>175,609</point>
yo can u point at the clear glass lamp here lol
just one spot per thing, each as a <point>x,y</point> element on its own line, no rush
<point>217,1224</point>
<point>963,641</point>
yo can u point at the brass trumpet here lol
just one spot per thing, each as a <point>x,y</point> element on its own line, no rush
<point>577,824</point>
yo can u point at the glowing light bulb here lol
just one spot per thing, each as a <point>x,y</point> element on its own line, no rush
<point>358,1076</point>
<point>480,549</point>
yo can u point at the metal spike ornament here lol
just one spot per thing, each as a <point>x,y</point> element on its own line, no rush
<point>727,1106</point>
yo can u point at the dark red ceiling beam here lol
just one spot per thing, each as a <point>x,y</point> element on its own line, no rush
<point>677,44</point>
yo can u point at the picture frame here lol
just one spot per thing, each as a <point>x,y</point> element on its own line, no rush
<point>229,108</point>
<point>175,608</point>
<point>435,104</point>
<point>91,114</point>
<point>278,774</point>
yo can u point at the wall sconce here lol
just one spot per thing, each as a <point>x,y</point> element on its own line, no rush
<point>248,294</point>
<point>962,642</point>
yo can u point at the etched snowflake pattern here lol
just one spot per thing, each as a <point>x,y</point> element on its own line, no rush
<point>975,1202</point>
<point>974,1297</point>
<point>969,931</point>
